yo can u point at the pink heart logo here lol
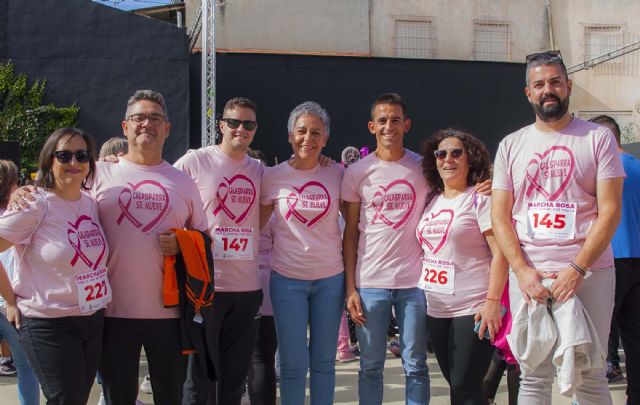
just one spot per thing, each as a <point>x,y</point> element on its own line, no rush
<point>143,204</point>
<point>549,173</point>
<point>312,194</point>
<point>432,230</point>
<point>87,240</point>
<point>394,203</point>
<point>236,196</point>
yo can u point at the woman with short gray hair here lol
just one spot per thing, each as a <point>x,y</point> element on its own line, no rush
<point>307,279</point>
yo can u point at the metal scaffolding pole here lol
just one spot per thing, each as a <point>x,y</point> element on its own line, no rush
<point>604,58</point>
<point>208,86</point>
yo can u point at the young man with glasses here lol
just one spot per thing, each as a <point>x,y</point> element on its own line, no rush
<point>229,184</point>
<point>560,181</point>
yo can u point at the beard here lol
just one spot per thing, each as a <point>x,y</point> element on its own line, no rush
<point>553,112</point>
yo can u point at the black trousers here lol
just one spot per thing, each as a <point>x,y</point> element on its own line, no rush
<point>493,377</point>
<point>262,373</point>
<point>123,340</point>
<point>64,353</point>
<point>231,326</point>
<point>626,321</point>
<point>463,358</point>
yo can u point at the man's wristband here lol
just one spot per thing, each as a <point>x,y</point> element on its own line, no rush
<point>578,269</point>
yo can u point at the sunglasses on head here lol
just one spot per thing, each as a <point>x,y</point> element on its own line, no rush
<point>549,55</point>
<point>234,123</point>
<point>65,156</point>
<point>442,153</point>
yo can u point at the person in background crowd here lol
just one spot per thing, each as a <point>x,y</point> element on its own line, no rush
<point>28,387</point>
<point>556,203</point>
<point>262,372</point>
<point>626,251</point>
<point>229,184</point>
<point>115,146</point>
<point>463,270</point>
<point>62,285</point>
<point>307,281</point>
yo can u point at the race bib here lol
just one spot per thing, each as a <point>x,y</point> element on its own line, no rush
<point>233,243</point>
<point>438,275</point>
<point>94,291</point>
<point>551,219</point>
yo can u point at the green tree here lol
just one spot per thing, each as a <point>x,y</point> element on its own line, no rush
<point>23,117</point>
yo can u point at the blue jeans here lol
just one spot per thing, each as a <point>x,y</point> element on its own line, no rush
<point>411,313</point>
<point>28,387</point>
<point>296,304</point>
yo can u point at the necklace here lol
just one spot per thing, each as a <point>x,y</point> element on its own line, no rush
<point>70,205</point>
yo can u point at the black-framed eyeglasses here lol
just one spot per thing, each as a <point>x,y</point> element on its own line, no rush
<point>548,55</point>
<point>234,123</point>
<point>139,119</point>
<point>65,156</point>
<point>442,153</point>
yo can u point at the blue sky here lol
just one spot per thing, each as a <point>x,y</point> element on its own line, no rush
<point>132,4</point>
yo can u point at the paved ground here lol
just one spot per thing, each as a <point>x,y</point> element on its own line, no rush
<point>346,387</point>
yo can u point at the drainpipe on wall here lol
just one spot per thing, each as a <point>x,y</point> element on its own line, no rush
<point>550,23</point>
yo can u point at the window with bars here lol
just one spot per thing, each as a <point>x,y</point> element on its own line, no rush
<point>415,38</point>
<point>492,41</point>
<point>601,39</point>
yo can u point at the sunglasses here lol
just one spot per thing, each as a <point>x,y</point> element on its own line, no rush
<point>442,153</point>
<point>234,123</point>
<point>549,55</point>
<point>65,156</point>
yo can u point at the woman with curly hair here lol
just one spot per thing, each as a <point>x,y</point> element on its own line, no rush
<point>464,272</point>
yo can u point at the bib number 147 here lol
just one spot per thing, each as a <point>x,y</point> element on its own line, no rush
<point>237,244</point>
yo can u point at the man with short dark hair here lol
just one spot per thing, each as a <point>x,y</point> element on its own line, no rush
<point>556,201</point>
<point>139,199</point>
<point>384,195</point>
<point>626,251</point>
<point>229,184</point>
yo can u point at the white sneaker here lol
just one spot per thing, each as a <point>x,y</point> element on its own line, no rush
<point>101,401</point>
<point>145,385</point>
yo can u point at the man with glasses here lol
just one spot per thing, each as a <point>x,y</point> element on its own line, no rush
<point>139,199</point>
<point>229,184</point>
<point>560,181</point>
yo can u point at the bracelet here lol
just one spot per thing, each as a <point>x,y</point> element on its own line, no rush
<point>492,299</point>
<point>578,269</point>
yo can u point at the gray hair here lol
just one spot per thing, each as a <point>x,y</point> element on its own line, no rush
<point>312,108</point>
<point>545,60</point>
<point>149,95</point>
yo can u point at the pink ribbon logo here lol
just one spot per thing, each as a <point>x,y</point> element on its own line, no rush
<point>550,173</point>
<point>299,212</point>
<point>134,206</point>
<point>241,202</point>
<point>387,196</point>
<point>441,238</point>
<point>76,241</point>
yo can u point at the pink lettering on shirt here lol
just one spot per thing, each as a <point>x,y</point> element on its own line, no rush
<point>235,197</point>
<point>549,173</point>
<point>308,203</point>
<point>435,227</point>
<point>85,236</point>
<point>144,204</point>
<point>394,203</point>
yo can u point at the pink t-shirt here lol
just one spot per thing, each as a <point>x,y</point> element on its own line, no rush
<point>136,204</point>
<point>392,196</point>
<point>307,244</point>
<point>55,241</point>
<point>553,177</point>
<point>452,230</point>
<point>265,253</point>
<point>230,191</point>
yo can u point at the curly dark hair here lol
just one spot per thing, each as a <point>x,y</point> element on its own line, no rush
<point>477,155</point>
